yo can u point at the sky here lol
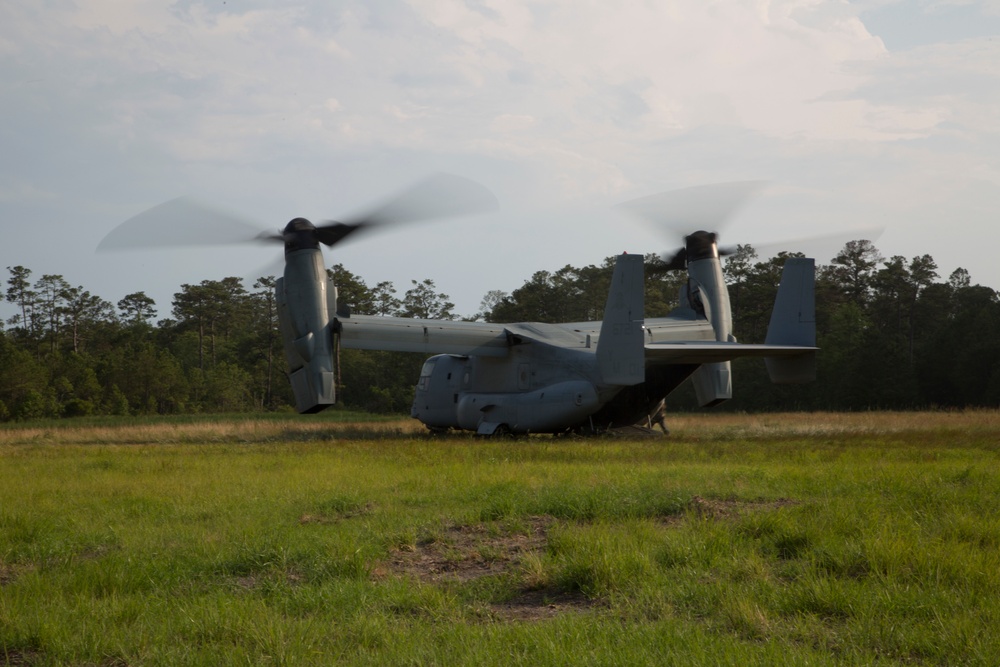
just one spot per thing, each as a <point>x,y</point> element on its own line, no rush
<point>864,118</point>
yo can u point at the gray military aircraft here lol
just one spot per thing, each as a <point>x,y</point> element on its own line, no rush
<point>526,377</point>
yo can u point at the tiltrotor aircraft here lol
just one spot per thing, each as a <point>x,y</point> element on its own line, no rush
<point>526,377</point>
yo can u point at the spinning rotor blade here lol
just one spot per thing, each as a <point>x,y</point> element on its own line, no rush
<point>703,207</point>
<point>708,207</point>
<point>437,196</point>
<point>180,222</point>
<point>675,261</point>
<point>819,245</point>
<point>700,207</point>
<point>187,222</point>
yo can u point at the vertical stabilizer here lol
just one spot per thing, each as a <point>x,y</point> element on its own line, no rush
<point>793,322</point>
<point>621,354</point>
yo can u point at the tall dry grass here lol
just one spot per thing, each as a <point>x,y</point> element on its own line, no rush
<point>237,429</point>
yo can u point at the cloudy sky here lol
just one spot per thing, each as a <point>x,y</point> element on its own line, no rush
<point>860,115</point>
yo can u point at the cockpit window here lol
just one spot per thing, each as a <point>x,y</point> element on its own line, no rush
<point>425,374</point>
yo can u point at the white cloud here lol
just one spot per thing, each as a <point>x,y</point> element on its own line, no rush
<point>560,102</point>
<point>512,122</point>
<point>604,78</point>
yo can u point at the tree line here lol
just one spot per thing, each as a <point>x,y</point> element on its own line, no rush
<point>893,335</point>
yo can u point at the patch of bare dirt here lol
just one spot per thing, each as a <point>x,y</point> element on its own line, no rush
<point>95,553</point>
<point>715,508</point>
<point>541,604</point>
<point>20,658</point>
<point>10,573</point>
<point>463,553</point>
<point>335,517</point>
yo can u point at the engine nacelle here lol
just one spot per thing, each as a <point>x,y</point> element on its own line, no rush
<point>306,323</point>
<point>712,382</point>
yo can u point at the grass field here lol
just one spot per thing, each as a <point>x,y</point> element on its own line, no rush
<point>804,539</point>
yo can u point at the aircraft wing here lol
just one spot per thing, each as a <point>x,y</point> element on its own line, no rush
<point>704,352</point>
<point>401,334</point>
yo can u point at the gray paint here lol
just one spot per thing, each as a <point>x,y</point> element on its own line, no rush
<point>537,377</point>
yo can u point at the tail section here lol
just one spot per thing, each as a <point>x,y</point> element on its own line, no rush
<point>621,354</point>
<point>793,322</point>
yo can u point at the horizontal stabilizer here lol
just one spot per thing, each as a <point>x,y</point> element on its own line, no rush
<point>706,352</point>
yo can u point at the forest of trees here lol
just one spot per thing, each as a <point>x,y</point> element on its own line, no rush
<point>893,335</point>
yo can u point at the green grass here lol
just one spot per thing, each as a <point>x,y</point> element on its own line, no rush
<point>741,540</point>
<point>333,415</point>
